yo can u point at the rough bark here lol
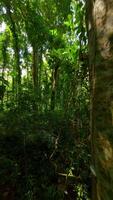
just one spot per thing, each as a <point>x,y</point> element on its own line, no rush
<point>100,33</point>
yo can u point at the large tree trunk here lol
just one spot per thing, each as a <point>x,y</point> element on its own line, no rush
<point>100,33</point>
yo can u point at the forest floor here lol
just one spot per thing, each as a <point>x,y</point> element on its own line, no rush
<point>44,157</point>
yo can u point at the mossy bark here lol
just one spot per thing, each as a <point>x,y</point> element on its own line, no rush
<point>100,34</point>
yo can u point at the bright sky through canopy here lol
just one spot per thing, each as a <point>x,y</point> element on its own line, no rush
<point>2,27</point>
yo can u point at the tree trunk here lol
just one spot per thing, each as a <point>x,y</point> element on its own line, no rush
<point>40,80</point>
<point>35,69</point>
<point>100,34</point>
<point>54,84</point>
<point>16,48</point>
<point>2,87</point>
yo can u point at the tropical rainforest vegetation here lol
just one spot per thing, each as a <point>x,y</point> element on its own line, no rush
<point>44,101</point>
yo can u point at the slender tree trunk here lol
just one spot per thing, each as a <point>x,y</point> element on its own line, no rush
<point>100,33</point>
<point>16,48</point>
<point>26,55</point>
<point>35,69</point>
<point>35,76</point>
<point>40,80</point>
<point>4,55</point>
<point>54,84</point>
<point>46,93</point>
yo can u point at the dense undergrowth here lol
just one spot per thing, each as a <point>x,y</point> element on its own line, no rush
<point>43,156</point>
